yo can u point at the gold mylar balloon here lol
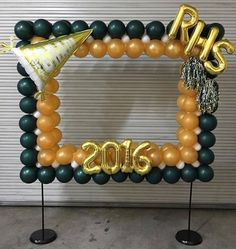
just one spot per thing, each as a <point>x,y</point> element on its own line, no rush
<point>106,167</point>
<point>43,60</point>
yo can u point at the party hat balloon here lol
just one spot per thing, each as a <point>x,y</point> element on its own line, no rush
<point>42,61</point>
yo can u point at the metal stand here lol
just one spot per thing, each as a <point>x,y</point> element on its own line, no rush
<point>187,236</point>
<point>43,236</point>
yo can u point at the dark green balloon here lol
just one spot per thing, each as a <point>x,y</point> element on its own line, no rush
<point>28,174</point>
<point>136,178</point>
<point>116,29</point>
<point>28,104</point>
<point>135,29</point>
<point>22,44</point>
<point>207,29</point>
<point>29,157</point>
<point>42,28</point>
<point>26,87</point>
<point>155,30</point>
<point>168,27</point>
<point>206,156</point>
<point>24,30</point>
<point>64,173</point>
<point>46,175</point>
<point>207,122</point>
<point>27,123</point>
<point>206,139</point>
<point>79,25</point>
<point>21,70</point>
<point>80,176</point>
<point>99,29</point>
<point>154,176</point>
<point>119,176</point>
<point>28,140</point>
<point>101,178</point>
<point>188,173</point>
<point>205,173</point>
<point>171,174</point>
<point>61,28</point>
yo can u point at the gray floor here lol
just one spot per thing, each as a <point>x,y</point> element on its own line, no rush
<point>116,228</point>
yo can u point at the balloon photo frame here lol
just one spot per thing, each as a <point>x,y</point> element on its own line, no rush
<point>44,49</point>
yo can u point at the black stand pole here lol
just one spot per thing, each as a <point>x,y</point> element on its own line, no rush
<point>43,236</point>
<point>187,236</point>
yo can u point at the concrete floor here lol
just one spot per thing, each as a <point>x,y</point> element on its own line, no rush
<point>116,228</point>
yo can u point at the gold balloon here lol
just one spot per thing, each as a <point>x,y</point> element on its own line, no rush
<point>82,51</point>
<point>52,86</point>
<point>221,62</point>
<point>98,49</point>
<point>57,134</point>
<point>187,138</point>
<point>106,167</point>
<point>190,121</point>
<point>56,118</point>
<point>174,49</point>
<point>185,91</point>
<point>155,48</point>
<point>70,147</point>
<point>125,155</point>
<point>55,148</point>
<point>79,156</point>
<point>46,140</point>
<point>179,131</point>
<point>190,104</point>
<point>155,156</point>
<point>142,164</point>
<point>179,117</point>
<point>45,123</point>
<point>89,166</point>
<point>115,48</point>
<point>37,39</point>
<point>46,157</point>
<point>184,24</point>
<point>64,156</point>
<point>134,48</point>
<point>180,101</point>
<point>50,104</point>
<point>167,146</point>
<point>188,155</point>
<point>171,156</point>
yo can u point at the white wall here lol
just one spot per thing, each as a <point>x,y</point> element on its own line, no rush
<point>131,98</point>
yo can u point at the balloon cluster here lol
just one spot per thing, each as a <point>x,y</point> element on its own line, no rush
<point>45,160</point>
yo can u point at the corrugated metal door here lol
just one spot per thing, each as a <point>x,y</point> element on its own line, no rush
<point>116,99</point>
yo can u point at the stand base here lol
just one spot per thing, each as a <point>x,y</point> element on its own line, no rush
<point>189,237</point>
<point>40,237</point>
